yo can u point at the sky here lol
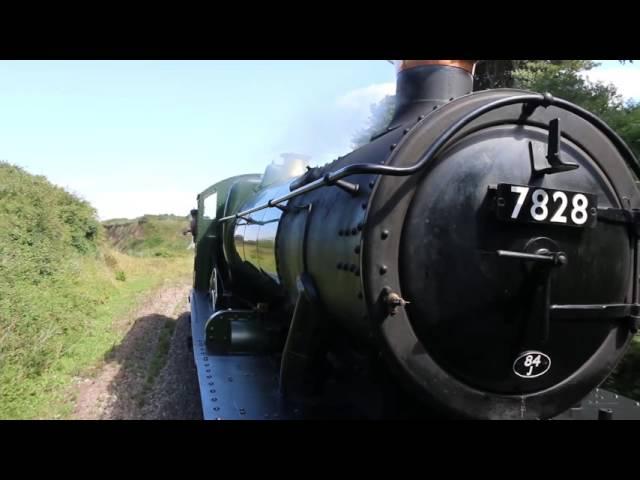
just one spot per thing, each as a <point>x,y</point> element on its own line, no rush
<point>145,137</point>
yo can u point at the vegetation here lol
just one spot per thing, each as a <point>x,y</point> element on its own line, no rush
<point>62,285</point>
<point>562,78</point>
<point>625,379</point>
<point>149,236</point>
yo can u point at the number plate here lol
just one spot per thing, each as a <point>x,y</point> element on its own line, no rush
<point>523,203</point>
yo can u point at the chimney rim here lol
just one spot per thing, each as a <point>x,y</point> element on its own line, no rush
<point>467,65</point>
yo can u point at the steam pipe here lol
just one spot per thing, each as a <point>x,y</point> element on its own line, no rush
<point>531,101</point>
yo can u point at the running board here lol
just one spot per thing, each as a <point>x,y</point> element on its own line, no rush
<point>246,387</point>
<point>234,387</point>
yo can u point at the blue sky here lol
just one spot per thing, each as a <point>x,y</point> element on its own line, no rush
<point>136,137</point>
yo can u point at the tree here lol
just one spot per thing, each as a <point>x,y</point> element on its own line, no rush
<point>561,78</point>
<point>564,80</point>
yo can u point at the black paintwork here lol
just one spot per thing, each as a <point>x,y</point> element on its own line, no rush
<point>439,270</point>
<point>417,222</point>
<point>246,387</point>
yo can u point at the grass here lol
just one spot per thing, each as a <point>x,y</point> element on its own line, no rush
<point>149,236</point>
<point>63,286</point>
<point>27,392</point>
<point>160,356</point>
<point>625,379</point>
<point>161,353</point>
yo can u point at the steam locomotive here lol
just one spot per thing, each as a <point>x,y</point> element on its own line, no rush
<point>477,259</point>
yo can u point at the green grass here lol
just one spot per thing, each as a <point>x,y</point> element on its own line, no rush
<point>625,379</point>
<point>150,236</point>
<point>62,290</point>
<point>35,382</point>
<point>160,355</point>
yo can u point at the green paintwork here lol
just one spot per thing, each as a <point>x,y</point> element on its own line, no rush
<point>209,234</point>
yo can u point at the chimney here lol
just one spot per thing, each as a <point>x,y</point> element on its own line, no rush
<point>423,84</point>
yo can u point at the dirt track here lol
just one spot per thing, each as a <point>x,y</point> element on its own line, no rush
<point>150,375</point>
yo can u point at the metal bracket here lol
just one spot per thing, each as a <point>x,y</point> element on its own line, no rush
<point>229,332</point>
<point>613,311</point>
<point>629,312</point>
<point>393,301</point>
<point>540,283</point>
<point>552,258</point>
<point>299,374</point>
<point>556,165</point>
<point>630,218</point>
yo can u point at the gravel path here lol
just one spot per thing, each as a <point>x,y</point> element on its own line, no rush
<point>150,374</point>
<point>175,394</point>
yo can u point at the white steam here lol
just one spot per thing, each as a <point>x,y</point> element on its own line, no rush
<point>327,133</point>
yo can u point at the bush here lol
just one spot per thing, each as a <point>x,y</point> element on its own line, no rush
<point>121,276</point>
<point>110,261</point>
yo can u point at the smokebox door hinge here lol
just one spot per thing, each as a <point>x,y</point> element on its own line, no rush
<point>630,218</point>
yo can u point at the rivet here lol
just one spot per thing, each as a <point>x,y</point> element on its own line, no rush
<point>372,183</point>
<point>384,234</point>
<point>451,99</point>
<point>364,206</point>
<point>339,266</point>
<point>383,269</point>
<point>420,117</point>
<point>360,226</point>
<point>354,231</point>
<point>357,249</point>
<point>435,107</point>
<point>392,146</point>
<point>340,232</point>
<point>405,131</point>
